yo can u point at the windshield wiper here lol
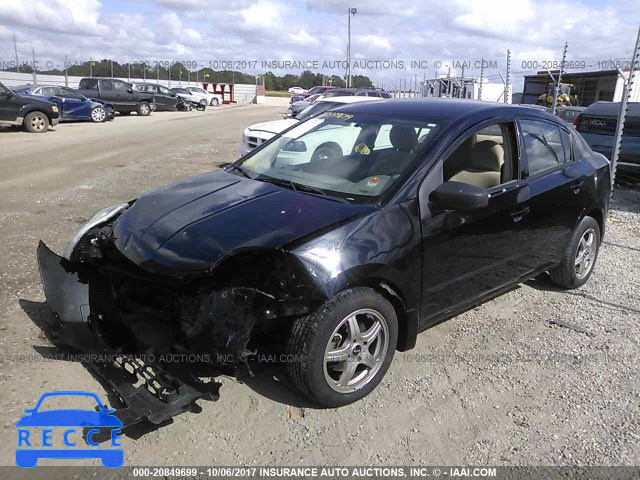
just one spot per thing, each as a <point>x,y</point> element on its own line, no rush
<point>237,168</point>
<point>300,187</point>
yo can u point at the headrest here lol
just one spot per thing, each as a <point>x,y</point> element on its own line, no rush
<point>403,139</point>
<point>487,155</point>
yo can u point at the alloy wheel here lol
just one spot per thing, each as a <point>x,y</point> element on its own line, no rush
<point>356,350</point>
<point>585,253</point>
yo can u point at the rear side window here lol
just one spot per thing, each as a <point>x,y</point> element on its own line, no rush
<point>88,84</point>
<point>107,84</point>
<point>543,146</point>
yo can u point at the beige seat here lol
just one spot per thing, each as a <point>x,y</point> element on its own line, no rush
<point>483,166</point>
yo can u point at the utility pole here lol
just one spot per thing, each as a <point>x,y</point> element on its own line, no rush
<point>35,74</point>
<point>15,49</point>
<point>623,111</point>
<point>90,67</point>
<point>556,90</point>
<point>506,83</point>
<point>350,11</point>
<point>66,70</point>
<point>129,77</point>
<point>461,93</point>
<point>481,79</point>
<point>111,68</point>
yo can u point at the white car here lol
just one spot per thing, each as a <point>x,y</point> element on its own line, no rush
<point>297,90</point>
<point>213,99</point>
<point>255,135</point>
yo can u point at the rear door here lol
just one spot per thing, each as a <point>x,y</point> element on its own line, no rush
<point>556,181</point>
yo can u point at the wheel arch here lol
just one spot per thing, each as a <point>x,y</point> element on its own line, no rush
<point>598,215</point>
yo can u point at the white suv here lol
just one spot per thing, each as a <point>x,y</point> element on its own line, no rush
<point>213,99</point>
<point>255,135</point>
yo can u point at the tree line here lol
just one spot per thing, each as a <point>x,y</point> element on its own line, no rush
<point>178,72</point>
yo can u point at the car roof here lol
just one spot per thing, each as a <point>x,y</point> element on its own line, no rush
<point>349,99</point>
<point>572,108</point>
<point>612,109</point>
<point>444,109</point>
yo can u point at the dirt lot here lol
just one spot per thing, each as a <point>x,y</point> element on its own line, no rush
<point>498,385</point>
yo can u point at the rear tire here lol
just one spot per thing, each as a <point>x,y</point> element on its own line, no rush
<point>144,109</point>
<point>339,354</point>
<point>580,257</point>
<point>215,102</point>
<point>36,122</point>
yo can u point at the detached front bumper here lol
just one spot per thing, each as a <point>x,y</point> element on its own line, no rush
<point>66,288</point>
<point>161,395</point>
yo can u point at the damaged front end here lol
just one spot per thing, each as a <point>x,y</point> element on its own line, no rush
<point>103,303</point>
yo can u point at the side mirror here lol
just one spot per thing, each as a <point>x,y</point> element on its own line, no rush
<point>7,93</point>
<point>295,146</point>
<point>459,196</point>
<point>130,90</point>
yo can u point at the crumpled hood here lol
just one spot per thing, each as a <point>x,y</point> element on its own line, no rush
<point>275,126</point>
<point>193,224</point>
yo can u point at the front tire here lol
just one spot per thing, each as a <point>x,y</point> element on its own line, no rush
<point>36,122</point>
<point>580,257</point>
<point>340,353</point>
<point>98,115</point>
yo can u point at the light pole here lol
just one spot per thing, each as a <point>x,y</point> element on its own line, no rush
<point>350,12</point>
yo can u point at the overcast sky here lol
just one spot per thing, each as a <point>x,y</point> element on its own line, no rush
<point>266,30</point>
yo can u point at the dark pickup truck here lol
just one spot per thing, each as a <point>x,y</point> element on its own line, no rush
<point>35,114</point>
<point>124,97</point>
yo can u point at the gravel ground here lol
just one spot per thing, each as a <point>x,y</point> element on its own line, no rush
<point>501,384</point>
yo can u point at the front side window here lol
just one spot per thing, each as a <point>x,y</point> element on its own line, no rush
<point>356,157</point>
<point>483,159</point>
<point>542,145</point>
<point>4,91</point>
<point>68,93</point>
<point>120,86</point>
<point>49,91</point>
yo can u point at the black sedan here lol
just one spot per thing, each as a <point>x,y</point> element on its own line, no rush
<point>434,207</point>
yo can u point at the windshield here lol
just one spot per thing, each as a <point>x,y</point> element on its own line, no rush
<point>350,157</point>
<point>316,108</point>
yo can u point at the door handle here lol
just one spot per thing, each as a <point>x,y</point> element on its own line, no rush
<point>519,214</point>
<point>575,185</point>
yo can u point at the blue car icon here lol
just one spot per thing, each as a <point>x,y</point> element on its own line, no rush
<point>103,418</point>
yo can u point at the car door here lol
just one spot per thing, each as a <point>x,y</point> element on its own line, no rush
<point>124,94</point>
<point>166,98</point>
<point>74,105</point>
<point>470,255</point>
<point>9,105</point>
<point>557,184</point>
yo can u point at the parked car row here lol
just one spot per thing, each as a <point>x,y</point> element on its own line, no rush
<point>300,102</point>
<point>255,135</point>
<point>36,107</point>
